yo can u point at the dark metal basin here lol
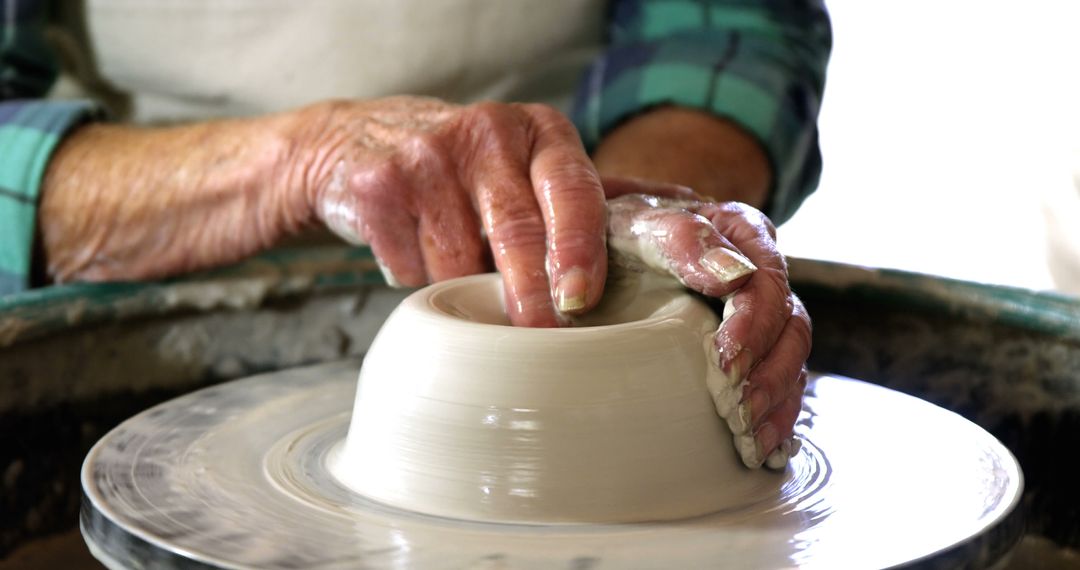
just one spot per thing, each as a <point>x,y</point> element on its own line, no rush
<point>76,360</point>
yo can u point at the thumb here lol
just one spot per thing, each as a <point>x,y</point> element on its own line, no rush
<point>652,233</point>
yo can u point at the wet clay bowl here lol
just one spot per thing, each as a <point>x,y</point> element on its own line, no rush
<point>460,415</point>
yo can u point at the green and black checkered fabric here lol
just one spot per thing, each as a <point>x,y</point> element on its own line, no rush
<point>759,63</point>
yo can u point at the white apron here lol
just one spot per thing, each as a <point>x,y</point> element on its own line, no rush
<point>179,60</point>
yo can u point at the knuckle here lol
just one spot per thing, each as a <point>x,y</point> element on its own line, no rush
<point>573,181</point>
<point>577,239</point>
<point>517,226</point>
<point>492,136</point>
<point>427,154</point>
<point>545,113</point>
<point>548,118</point>
<point>538,110</point>
<point>732,208</point>
<point>377,182</point>
<point>802,329</point>
<point>486,116</point>
<point>799,309</point>
<point>698,225</point>
<point>335,107</point>
<point>774,284</point>
<point>751,217</point>
<point>800,314</point>
<point>745,210</point>
<point>781,261</point>
<point>425,144</point>
<point>769,226</point>
<point>770,260</point>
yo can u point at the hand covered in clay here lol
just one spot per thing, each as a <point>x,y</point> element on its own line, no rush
<point>729,249</point>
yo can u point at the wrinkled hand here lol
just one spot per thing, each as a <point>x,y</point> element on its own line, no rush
<point>720,249</point>
<point>422,181</point>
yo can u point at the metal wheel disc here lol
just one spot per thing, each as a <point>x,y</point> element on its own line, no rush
<point>235,476</point>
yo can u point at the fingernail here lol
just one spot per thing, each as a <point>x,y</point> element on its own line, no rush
<point>726,264</point>
<point>737,366</point>
<point>739,422</point>
<point>766,439</point>
<point>571,290</point>
<point>758,403</point>
<point>787,449</point>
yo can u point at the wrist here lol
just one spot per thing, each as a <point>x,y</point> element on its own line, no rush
<point>289,169</point>
<point>311,137</point>
<point>713,156</point>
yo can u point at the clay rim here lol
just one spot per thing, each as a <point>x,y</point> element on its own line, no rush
<point>434,305</point>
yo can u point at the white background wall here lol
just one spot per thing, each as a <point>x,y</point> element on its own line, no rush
<point>944,125</point>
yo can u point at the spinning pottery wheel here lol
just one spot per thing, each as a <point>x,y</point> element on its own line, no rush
<point>247,474</point>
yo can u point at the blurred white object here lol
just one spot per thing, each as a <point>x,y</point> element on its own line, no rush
<point>319,49</point>
<point>1062,210</point>
<point>940,138</point>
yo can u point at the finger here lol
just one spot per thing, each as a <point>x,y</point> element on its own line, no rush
<point>762,305</point>
<point>368,204</point>
<point>744,225</point>
<point>679,242</point>
<point>615,186</point>
<point>497,173</point>
<point>571,199</point>
<point>770,382</point>
<point>449,229</point>
<point>780,423</point>
<point>389,225</point>
<point>450,240</point>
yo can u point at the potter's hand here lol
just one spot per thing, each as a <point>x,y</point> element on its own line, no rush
<point>707,246</point>
<point>720,249</point>
<point>417,179</point>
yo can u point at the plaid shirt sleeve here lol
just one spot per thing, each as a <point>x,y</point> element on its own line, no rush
<point>29,132</point>
<point>759,63</point>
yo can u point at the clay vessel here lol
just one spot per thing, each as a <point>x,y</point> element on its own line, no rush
<point>460,415</point>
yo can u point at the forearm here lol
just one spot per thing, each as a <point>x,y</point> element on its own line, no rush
<point>128,203</point>
<point>762,64</point>
<point>712,156</point>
